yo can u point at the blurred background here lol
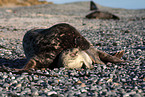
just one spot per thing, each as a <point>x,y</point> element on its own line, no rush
<point>127,4</point>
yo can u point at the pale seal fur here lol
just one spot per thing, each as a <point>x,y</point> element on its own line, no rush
<point>74,58</point>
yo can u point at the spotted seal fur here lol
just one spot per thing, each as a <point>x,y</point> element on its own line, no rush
<point>74,58</point>
<point>42,47</point>
<point>97,14</point>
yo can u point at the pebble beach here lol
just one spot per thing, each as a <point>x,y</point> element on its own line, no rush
<point>110,80</point>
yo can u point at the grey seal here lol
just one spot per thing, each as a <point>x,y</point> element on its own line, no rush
<point>97,14</point>
<point>42,47</point>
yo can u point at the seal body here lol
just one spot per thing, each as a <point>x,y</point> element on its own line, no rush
<point>101,15</point>
<point>42,46</point>
<point>97,14</point>
<point>74,58</point>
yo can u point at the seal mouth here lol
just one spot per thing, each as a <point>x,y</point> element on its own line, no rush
<point>74,54</point>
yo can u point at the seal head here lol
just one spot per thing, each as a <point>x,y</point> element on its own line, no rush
<point>74,58</point>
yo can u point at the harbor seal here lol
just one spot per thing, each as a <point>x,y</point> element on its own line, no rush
<point>42,47</point>
<point>74,58</point>
<point>97,14</point>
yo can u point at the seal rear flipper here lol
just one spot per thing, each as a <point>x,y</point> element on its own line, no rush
<point>119,54</point>
<point>93,6</point>
<point>101,57</point>
<point>109,58</point>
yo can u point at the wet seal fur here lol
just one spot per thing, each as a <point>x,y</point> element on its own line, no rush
<point>97,14</point>
<point>42,47</point>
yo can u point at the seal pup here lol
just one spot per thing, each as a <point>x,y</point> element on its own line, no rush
<point>74,58</point>
<point>42,47</point>
<point>93,6</point>
<point>97,14</point>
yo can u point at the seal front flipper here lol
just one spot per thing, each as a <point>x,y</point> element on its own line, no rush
<point>29,65</point>
<point>93,6</point>
<point>86,60</point>
<point>94,55</point>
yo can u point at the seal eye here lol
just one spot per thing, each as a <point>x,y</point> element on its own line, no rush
<point>76,52</point>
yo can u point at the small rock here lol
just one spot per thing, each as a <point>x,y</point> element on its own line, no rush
<point>51,93</point>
